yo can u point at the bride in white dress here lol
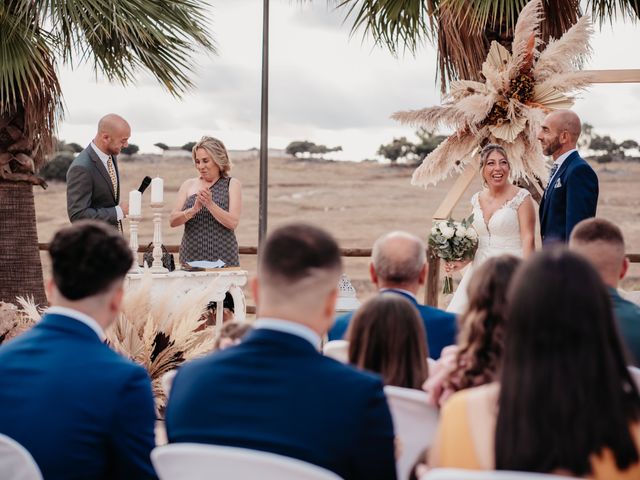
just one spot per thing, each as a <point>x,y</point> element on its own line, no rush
<point>504,217</point>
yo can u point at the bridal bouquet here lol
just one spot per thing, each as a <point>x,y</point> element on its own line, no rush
<point>453,241</point>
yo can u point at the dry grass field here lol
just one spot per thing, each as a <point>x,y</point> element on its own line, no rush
<point>357,202</point>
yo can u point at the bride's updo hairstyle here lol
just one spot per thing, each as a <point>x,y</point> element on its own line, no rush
<point>217,151</point>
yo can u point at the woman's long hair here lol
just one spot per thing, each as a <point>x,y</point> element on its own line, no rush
<point>386,336</point>
<point>566,392</point>
<point>481,337</point>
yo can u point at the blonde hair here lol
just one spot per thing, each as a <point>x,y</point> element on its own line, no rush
<point>486,151</point>
<point>218,152</point>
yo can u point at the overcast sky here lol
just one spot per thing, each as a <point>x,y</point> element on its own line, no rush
<point>325,86</point>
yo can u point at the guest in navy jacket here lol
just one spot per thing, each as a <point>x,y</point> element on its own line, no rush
<point>275,392</point>
<point>398,264</point>
<point>78,407</point>
<point>572,192</point>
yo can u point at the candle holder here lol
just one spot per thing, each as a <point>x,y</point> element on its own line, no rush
<point>134,220</point>
<point>157,266</point>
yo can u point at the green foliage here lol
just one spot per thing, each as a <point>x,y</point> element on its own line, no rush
<point>299,148</point>
<point>162,146</point>
<point>130,149</point>
<point>188,146</point>
<point>403,149</point>
<point>608,150</point>
<point>56,168</point>
<point>397,149</point>
<point>75,148</point>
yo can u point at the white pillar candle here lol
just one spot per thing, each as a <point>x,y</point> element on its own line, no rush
<point>157,193</point>
<point>135,202</point>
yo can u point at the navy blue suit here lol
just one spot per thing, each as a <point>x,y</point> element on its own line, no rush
<point>78,407</point>
<point>440,326</point>
<point>274,392</point>
<point>570,197</point>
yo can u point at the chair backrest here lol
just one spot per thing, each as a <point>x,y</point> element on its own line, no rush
<point>414,422</point>
<point>337,349</point>
<point>193,461</point>
<point>635,374</point>
<point>16,462</point>
<point>460,474</point>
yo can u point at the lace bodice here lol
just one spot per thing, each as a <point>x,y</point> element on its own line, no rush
<point>502,230</point>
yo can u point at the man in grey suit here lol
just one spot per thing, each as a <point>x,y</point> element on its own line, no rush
<point>93,182</point>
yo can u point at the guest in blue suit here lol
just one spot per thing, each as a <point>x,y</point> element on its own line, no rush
<point>398,264</point>
<point>275,392</point>
<point>572,192</point>
<point>79,408</point>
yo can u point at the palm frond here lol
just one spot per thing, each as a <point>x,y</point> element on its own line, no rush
<point>123,37</point>
<point>392,23</point>
<point>603,10</point>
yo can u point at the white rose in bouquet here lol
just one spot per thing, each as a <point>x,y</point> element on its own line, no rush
<point>471,233</point>
<point>447,231</point>
<point>434,230</point>
<point>461,231</point>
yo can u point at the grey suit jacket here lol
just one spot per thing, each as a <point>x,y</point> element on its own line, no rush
<point>90,193</point>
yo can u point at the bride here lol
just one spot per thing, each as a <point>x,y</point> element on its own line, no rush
<point>503,216</point>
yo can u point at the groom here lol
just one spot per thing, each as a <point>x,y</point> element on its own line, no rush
<point>572,192</point>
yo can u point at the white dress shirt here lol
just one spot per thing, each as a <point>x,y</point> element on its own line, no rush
<point>79,316</point>
<point>105,158</point>
<point>292,328</point>
<point>559,161</point>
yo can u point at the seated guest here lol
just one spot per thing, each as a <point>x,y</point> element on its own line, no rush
<point>209,207</point>
<point>398,264</point>
<point>78,407</point>
<point>231,334</point>
<point>386,336</point>
<point>565,402</point>
<point>274,391</point>
<point>475,359</point>
<point>602,243</point>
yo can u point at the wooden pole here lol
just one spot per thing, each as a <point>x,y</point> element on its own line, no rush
<point>432,286</point>
<point>615,76</point>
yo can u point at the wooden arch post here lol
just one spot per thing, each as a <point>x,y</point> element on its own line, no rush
<point>466,177</point>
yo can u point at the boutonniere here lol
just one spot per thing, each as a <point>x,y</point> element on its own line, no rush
<point>558,184</point>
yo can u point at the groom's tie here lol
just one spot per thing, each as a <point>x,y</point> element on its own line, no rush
<point>114,182</point>
<point>552,172</point>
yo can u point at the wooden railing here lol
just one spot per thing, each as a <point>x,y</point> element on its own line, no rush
<point>433,277</point>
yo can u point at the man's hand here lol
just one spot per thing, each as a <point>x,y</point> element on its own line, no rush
<point>124,205</point>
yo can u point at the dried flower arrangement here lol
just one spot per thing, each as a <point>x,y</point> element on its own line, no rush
<point>16,319</point>
<point>519,89</point>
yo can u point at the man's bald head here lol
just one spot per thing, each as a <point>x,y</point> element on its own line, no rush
<point>559,132</point>
<point>398,260</point>
<point>602,243</point>
<point>113,134</point>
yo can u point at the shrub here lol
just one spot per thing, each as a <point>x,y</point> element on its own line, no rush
<point>56,168</point>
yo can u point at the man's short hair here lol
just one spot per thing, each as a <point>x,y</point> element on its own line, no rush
<point>398,267</point>
<point>87,258</point>
<point>297,256</point>
<point>597,230</point>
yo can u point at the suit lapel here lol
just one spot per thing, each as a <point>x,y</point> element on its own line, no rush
<point>546,201</point>
<point>103,171</point>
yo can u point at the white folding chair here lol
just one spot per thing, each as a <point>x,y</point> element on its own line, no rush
<point>635,374</point>
<point>415,423</point>
<point>460,474</point>
<point>337,349</point>
<point>193,461</point>
<point>16,462</point>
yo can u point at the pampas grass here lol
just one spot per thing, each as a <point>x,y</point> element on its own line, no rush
<point>161,334</point>
<point>507,109</point>
<point>16,319</point>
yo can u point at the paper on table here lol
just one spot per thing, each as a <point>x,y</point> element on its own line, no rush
<point>206,264</point>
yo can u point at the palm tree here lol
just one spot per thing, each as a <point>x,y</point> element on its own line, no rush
<point>464,29</point>
<point>119,39</point>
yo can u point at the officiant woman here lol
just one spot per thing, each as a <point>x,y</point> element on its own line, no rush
<point>209,206</point>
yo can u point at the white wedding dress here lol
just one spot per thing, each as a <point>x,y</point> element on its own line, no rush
<point>498,235</point>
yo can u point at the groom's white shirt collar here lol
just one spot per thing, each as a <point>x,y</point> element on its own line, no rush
<point>563,157</point>
<point>80,317</point>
